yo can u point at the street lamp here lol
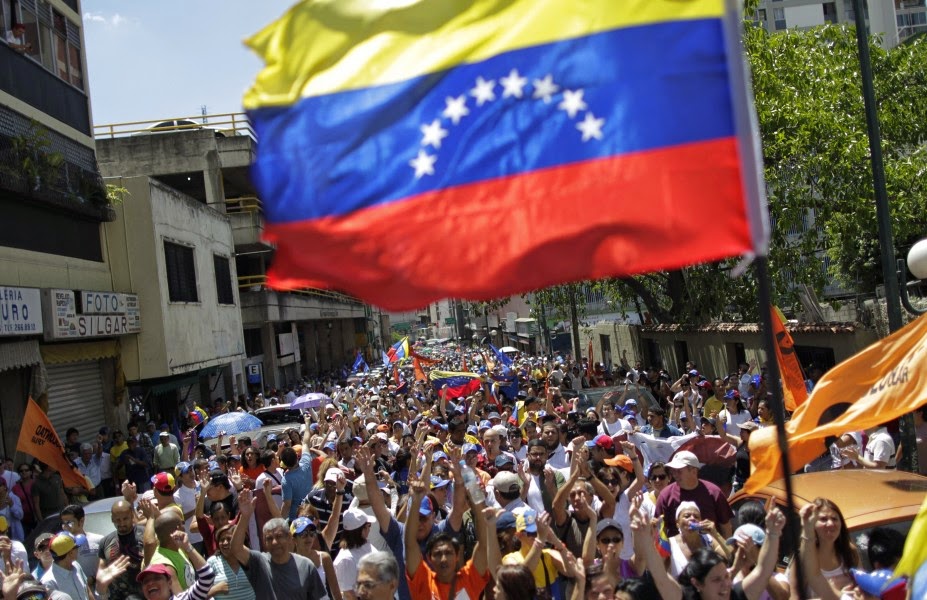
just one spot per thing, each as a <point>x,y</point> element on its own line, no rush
<point>917,263</point>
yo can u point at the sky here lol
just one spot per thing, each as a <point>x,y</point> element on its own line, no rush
<point>152,60</point>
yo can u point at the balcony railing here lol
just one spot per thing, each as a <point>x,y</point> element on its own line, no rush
<point>243,204</point>
<point>258,283</point>
<point>224,125</point>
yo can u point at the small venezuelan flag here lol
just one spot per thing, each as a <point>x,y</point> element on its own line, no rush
<point>458,384</point>
<point>389,131</point>
<point>198,415</point>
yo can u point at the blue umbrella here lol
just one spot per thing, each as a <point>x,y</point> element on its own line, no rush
<point>231,423</point>
<point>312,400</point>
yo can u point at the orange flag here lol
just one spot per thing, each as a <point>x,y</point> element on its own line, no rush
<point>590,368</point>
<point>38,438</point>
<point>877,385</point>
<point>417,368</point>
<point>793,381</point>
<point>423,360</point>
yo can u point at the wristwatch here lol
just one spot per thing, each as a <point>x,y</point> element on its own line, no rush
<point>340,492</point>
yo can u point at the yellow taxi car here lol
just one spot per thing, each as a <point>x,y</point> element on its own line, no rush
<point>868,498</point>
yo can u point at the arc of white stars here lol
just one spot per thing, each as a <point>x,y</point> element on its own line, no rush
<point>433,133</point>
<point>455,109</point>
<point>544,89</point>
<point>591,127</point>
<point>424,164</point>
<point>483,91</point>
<point>573,102</point>
<point>513,84</point>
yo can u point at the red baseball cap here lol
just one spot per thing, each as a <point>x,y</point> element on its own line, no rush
<point>156,569</point>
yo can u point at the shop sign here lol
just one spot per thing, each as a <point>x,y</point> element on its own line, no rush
<point>88,314</point>
<point>20,311</point>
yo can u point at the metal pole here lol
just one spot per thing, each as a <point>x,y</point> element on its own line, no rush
<point>889,274</point>
<point>778,405</point>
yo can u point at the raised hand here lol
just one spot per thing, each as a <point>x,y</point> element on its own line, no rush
<point>14,576</point>
<point>246,503</point>
<point>417,488</point>
<point>129,492</point>
<point>362,459</point>
<point>775,521</point>
<point>110,572</point>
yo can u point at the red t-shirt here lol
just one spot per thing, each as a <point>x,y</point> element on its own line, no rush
<point>707,496</point>
<point>425,586</point>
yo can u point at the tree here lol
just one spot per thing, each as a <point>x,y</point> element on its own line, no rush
<point>808,98</point>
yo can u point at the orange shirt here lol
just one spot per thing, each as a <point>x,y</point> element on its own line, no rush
<point>425,586</point>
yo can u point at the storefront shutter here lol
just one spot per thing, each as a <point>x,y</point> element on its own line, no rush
<point>75,398</point>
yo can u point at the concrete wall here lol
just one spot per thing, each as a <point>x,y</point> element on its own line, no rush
<point>36,269</point>
<point>177,337</point>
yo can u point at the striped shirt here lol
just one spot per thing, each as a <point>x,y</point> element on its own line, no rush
<point>239,586</point>
<point>200,590</point>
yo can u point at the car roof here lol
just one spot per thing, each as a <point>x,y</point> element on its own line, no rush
<point>866,497</point>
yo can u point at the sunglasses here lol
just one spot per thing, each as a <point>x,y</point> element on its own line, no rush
<point>610,540</point>
<point>658,477</point>
<point>611,481</point>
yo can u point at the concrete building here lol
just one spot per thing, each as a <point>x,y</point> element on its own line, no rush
<point>178,255</point>
<point>894,20</point>
<point>286,335</point>
<point>63,320</point>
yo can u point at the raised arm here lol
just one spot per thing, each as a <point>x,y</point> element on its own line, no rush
<point>413,553</point>
<point>377,503</point>
<point>245,510</point>
<point>455,519</point>
<point>560,500</point>
<point>331,528</point>
<point>642,530</point>
<point>756,580</point>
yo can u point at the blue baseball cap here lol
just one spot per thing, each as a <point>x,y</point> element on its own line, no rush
<point>437,482</point>
<point>301,524</point>
<point>183,467</point>
<point>505,521</point>
<point>472,430</point>
<point>329,446</point>
<point>485,424</point>
<point>438,456</point>
<point>755,380</point>
<point>425,509</point>
<point>504,459</point>
<point>272,437</point>
<point>732,394</point>
<point>468,447</point>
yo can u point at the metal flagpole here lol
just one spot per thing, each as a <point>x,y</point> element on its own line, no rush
<point>778,406</point>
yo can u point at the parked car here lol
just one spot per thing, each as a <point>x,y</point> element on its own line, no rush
<point>97,519</point>
<point>868,498</point>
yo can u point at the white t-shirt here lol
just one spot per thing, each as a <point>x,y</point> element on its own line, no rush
<point>186,498</point>
<point>881,447</point>
<point>346,566</point>
<point>732,422</point>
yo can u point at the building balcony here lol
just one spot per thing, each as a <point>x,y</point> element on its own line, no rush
<point>260,304</point>
<point>247,222</point>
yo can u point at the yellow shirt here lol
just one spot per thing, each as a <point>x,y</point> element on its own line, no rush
<point>540,580</point>
<point>712,405</point>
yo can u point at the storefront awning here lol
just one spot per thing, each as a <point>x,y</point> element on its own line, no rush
<point>16,355</point>
<point>56,354</point>
<point>164,385</point>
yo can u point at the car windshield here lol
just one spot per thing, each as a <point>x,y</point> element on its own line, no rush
<point>279,416</point>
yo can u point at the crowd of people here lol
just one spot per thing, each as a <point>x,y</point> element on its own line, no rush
<point>395,488</point>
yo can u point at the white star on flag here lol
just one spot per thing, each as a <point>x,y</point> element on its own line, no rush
<point>424,164</point>
<point>545,88</point>
<point>591,127</point>
<point>433,133</point>
<point>483,91</point>
<point>456,109</point>
<point>513,84</point>
<point>572,102</point>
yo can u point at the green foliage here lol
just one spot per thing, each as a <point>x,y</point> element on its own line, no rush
<point>809,101</point>
<point>116,195</point>
<point>35,161</point>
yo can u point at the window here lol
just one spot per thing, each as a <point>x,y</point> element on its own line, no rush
<point>779,16</point>
<point>181,273</point>
<point>223,280</point>
<point>55,40</point>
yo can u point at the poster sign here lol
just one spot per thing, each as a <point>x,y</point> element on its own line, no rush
<point>87,314</point>
<point>20,311</point>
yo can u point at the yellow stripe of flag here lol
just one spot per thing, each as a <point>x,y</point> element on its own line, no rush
<point>323,46</point>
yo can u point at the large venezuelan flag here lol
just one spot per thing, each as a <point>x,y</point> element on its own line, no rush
<point>411,150</point>
<point>458,384</point>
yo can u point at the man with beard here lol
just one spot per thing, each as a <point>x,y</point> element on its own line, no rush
<point>543,480</point>
<point>125,541</point>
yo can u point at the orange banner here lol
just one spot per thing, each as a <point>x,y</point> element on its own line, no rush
<point>877,385</point>
<point>38,438</point>
<point>793,381</point>
<point>419,372</point>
